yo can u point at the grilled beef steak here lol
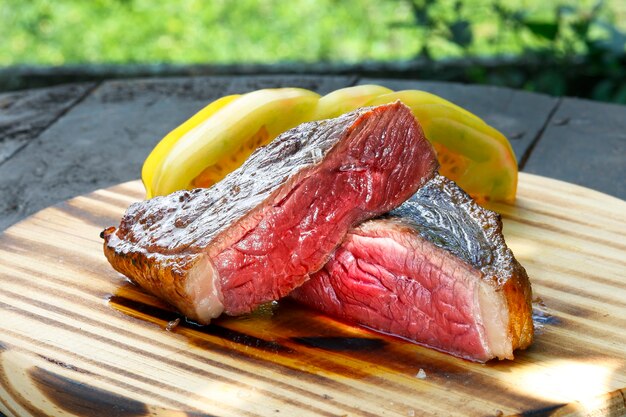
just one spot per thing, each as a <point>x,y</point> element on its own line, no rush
<point>435,271</point>
<point>261,231</point>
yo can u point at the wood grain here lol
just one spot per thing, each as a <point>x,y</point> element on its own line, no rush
<point>77,339</point>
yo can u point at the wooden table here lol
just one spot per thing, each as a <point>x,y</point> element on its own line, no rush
<point>60,142</point>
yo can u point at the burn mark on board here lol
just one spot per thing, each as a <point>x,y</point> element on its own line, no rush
<point>341,344</point>
<point>541,412</point>
<point>311,345</point>
<point>65,365</point>
<point>239,337</point>
<point>300,364</point>
<point>139,309</point>
<point>197,414</point>
<point>84,400</point>
<point>234,330</point>
<point>213,329</point>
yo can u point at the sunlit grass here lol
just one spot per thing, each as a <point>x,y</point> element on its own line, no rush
<point>260,31</point>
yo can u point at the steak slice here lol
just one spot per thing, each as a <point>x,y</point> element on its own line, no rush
<point>435,271</point>
<point>258,234</point>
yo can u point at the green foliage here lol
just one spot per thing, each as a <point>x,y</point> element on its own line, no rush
<point>196,31</point>
<point>557,34</point>
<point>493,27</point>
<point>591,33</point>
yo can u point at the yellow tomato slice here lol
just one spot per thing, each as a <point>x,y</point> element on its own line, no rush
<point>473,154</point>
<point>153,162</point>
<point>226,134</point>
<point>220,137</point>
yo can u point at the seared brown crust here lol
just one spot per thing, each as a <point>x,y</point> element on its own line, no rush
<point>163,275</point>
<point>449,218</point>
<point>518,295</point>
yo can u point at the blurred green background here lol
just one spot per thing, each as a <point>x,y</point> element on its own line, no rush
<point>557,47</point>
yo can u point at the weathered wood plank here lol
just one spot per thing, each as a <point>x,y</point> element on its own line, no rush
<point>105,139</point>
<point>585,143</point>
<point>25,114</point>
<point>519,115</point>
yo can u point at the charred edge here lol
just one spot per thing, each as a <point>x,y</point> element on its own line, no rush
<point>212,329</point>
<point>341,344</point>
<point>194,414</point>
<point>239,337</point>
<point>65,365</point>
<point>84,400</point>
<point>541,412</point>
<point>106,232</point>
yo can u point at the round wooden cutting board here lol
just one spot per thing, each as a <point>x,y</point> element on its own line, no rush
<point>77,339</point>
